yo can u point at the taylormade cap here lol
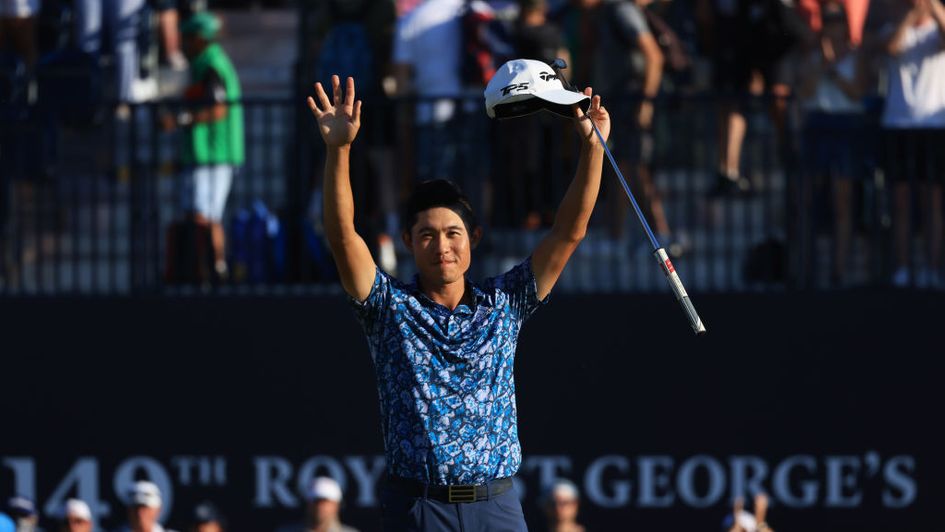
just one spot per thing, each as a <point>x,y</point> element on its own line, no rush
<point>525,86</point>
<point>324,488</point>
<point>146,493</point>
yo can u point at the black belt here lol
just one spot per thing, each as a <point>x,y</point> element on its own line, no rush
<point>456,493</point>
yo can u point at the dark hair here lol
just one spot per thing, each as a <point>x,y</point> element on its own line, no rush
<point>438,193</point>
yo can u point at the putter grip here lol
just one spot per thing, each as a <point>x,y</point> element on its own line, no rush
<point>679,290</point>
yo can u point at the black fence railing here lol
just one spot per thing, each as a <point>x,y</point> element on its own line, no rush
<point>91,208</point>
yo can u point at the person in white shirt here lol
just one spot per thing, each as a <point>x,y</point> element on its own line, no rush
<point>831,94</point>
<point>445,135</point>
<point>914,121</point>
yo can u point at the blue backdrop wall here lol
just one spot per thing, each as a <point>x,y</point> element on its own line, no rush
<point>829,402</point>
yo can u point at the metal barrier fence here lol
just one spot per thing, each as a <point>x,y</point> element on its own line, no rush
<point>87,209</point>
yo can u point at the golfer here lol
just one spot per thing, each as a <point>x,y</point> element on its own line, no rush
<point>443,347</point>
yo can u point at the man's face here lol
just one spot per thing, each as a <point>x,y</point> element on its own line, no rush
<point>323,511</point>
<point>212,526</point>
<point>441,246</point>
<point>564,509</point>
<point>143,518</point>
<point>75,524</point>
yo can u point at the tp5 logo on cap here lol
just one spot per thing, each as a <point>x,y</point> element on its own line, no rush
<point>514,87</point>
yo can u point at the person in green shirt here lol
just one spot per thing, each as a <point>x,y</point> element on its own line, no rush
<point>213,148</point>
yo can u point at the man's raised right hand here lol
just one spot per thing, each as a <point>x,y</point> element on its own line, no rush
<point>338,120</point>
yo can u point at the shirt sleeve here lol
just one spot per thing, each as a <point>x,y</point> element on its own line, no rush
<point>521,288</point>
<point>372,311</point>
<point>629,22</point>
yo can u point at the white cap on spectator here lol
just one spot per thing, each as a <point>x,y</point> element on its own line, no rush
<point>564,488</point>
<point>147,494</point>
<point>324,488</point>
<point>525,86</point>
<point>77,509</point>
<point>747,521</point>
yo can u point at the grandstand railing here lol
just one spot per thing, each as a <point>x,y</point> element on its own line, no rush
<point>86,207</point>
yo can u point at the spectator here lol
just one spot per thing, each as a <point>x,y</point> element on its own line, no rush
<point>214,145</point>
<point>323,505</point>
<point>856,11</point>
<point>24,514</point>
<point>144,509</point>
<point>18,29</point>
<point>831,97</point>
<point>749,42</point>
<point>742,521</point>
<point>169,31</point>
<point>426,64</point>
<point>537,38</point>
<point>122,20</point>
<point>526,181</point>
<point>76,517</point>
<point>620,54</point>
<point>914,121</point>
<point>561,507</point>
<point>207,518</point>
<point>354,38</point>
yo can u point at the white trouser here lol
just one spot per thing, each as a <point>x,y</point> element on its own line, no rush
<point>206,189</point>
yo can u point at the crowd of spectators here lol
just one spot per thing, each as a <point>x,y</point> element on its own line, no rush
<point>560,503</point>
<point>851,88</point>
<point>863,82</point>
<point>144,511</point>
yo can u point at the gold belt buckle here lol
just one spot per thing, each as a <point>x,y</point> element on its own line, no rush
<point>461,493</point>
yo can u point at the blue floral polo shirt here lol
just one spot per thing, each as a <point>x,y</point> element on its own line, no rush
<point>445,379</point>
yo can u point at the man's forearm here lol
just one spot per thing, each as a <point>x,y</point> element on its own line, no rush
<point>653,76</point>
<point>575,209</point>
<point>338,201</point>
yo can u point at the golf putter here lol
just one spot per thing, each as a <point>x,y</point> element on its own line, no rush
<point>661,256</point>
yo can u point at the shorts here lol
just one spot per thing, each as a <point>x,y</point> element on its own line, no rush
<point>833,144</point>
<point>205,190</point>
<point>914,155</point>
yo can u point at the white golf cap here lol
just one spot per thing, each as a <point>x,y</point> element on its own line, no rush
<point>77,509</point>
<point>146,493</point>
<point>524,86</point>
<point>324,488</point>
<point>564,488</point>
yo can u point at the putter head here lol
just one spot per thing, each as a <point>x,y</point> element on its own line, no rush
<point>558,65</point>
